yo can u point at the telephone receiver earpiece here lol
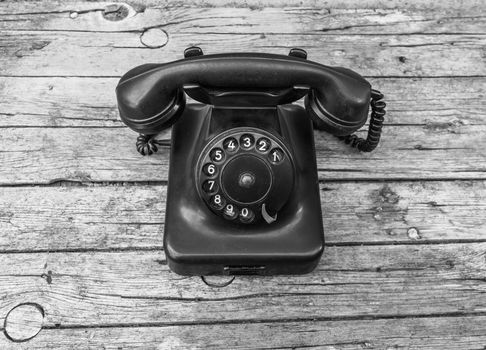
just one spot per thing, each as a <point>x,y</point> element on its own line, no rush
<point>151,97</point>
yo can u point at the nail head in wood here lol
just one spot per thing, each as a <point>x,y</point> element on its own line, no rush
<point>24,322</point>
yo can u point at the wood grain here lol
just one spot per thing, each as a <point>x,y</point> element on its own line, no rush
<point>57,102</point>
<point>132,217</point>
<point>108,54</point>
<point>235,19</point>
<point>410,333</point>
<point>424,5</point>
<point>136,288</point>
<point>46,155</point>
<point>404,265</point>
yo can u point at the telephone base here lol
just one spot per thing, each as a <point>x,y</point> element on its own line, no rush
<point>203,239</point>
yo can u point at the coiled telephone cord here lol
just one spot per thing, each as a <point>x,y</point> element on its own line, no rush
<point>374,130</point>
<point>147,144</point>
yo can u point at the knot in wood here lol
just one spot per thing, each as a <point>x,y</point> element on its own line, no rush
<point>115,12</point>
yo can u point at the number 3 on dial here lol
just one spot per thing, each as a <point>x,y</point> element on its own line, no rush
<point>247,141</point>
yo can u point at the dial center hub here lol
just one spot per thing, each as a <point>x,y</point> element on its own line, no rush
<point>246,179</point>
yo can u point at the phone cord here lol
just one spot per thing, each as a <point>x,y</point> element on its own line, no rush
<point>376,123</point>
<point>147,144</point>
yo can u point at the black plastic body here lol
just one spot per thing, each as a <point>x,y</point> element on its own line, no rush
<point>151,97</point>
<point>198,242</point>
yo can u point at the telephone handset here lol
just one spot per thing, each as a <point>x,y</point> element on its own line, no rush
<point>243,195</point>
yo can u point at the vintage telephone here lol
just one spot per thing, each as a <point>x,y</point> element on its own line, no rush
<point>243,195</point>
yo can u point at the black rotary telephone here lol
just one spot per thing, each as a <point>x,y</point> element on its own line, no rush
<point>243,195</point>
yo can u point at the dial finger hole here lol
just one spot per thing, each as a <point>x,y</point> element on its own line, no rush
<point>276,155</point>
<point>263,144</point>
<point>210,169</point>
<point>246,215</point>
<point>229,212</point>
<point>230,145</point>
<point>210,186</point>
<point>216,155</point>
<point>218,202</point>
<point>247,141</point>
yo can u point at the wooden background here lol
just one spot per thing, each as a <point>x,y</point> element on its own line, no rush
<point>82,213</point>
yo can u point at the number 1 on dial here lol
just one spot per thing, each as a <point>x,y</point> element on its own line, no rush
<point>276,155</point>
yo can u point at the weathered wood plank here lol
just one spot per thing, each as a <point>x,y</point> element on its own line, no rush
<point>34,53</point>
<point>436,132</point>
<point>90,17</point>
<point>45,155</point>
<point>114,217</point>
<point>58,102</point>
<point>92,289</point>
<point>61,102</point>
<point>13,6</point>
<point>440,333</point>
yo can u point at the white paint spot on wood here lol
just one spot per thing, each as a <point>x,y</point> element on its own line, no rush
<point>413,233</point>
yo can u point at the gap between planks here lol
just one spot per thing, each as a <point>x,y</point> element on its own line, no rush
<point>437,333</point>
<point>268,321</point>
<point>160,248</point>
